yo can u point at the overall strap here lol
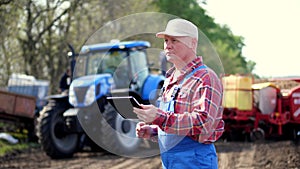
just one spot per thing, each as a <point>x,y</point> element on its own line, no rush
<point>177,88</point>
<point>191,74</point>
<point>182,82</point>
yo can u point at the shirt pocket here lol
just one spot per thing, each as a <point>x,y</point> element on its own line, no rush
<point>184,93</point>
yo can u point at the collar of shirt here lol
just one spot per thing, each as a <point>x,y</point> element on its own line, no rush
<point>186,70</point>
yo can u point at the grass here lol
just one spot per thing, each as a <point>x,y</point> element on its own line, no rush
<point>6,147</point>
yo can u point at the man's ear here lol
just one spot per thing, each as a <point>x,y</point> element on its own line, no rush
<point>194,44</point>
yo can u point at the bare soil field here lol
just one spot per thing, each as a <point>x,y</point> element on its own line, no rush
<point>232,155</point>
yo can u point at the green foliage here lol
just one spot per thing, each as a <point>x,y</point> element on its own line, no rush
<point>9,25</point>
<point>228,46</point>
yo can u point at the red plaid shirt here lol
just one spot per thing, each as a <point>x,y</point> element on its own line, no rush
<point>198,105</point>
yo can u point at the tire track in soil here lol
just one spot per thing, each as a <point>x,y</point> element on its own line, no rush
<point>246,159</point>
<point>224,160</point>
<point>236,155</point>
<point>135,163</point>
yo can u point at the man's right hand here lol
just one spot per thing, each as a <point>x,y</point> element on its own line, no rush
<point>144,130</point>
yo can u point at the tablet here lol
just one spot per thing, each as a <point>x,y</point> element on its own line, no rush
<point>124,105</point>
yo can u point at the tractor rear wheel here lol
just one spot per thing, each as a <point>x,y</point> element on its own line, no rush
<point>51,131</point>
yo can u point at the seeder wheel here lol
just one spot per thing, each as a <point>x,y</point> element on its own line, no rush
<point>296,136</point>
<point>257,135</point>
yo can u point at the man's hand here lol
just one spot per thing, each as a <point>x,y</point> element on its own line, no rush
<point>148,113</point>
<point>144,130</point>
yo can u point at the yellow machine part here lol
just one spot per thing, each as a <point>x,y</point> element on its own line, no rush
<point>238,92</point>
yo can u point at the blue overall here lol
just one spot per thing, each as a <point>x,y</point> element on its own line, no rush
<point>180,152</point>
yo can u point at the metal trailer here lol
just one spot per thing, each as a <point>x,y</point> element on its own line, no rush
<point>18,109</point>
<point>21,101</point>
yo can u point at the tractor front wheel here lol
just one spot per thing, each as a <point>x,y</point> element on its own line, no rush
<point>55,141</point>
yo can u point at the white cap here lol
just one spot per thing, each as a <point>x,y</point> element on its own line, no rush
<point>179,27</point>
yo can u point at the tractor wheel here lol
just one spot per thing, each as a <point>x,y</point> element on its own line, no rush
<point>118,134</point>
<point>50,130</point>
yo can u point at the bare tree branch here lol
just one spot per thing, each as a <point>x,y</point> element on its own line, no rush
<point>51,24</point>
<point>5,2</point>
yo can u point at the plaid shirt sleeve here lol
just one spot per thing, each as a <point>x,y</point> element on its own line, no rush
<point>198,109</point>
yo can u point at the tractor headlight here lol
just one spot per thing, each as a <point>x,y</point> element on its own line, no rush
<point>90,96</point>
<point>72,97</point>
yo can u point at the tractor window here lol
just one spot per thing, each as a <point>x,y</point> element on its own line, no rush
<point>94,60</point>
<point>115,62</point>
<point>138,61</point>
<point>80,67</point>
<point>87,64</point>
<point>111,61</point>
<point>99,62</point>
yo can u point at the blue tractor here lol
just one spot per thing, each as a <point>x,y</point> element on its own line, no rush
<point>83,115</point>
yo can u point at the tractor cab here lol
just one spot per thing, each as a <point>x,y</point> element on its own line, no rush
<point>111,67</point>
<point>126,62</point>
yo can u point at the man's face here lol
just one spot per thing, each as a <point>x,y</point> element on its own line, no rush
<point>177,48</point>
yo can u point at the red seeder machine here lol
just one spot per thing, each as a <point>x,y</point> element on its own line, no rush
<point>255,111</point>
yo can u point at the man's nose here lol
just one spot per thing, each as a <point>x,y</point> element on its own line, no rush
<point>168,45</point>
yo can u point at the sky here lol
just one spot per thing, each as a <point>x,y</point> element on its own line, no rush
<point>271,31</point>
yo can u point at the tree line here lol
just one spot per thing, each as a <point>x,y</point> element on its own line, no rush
<point>35,34</point>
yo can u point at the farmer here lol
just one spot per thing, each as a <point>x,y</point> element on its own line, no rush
<point>189,117</point>
<point>65,80</point>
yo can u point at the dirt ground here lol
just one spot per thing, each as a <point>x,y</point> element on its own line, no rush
<point>232,155</point>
